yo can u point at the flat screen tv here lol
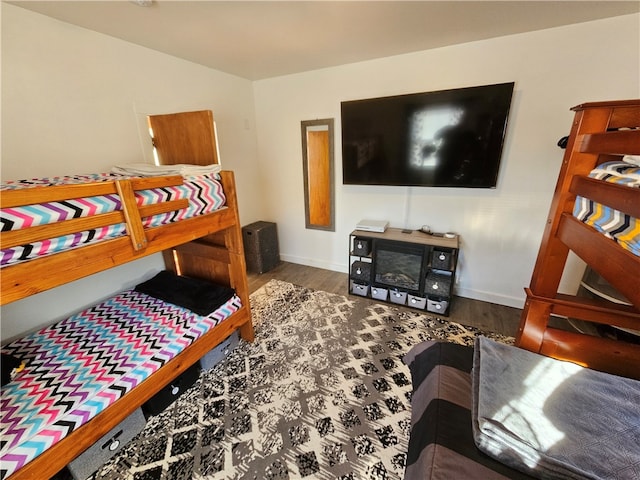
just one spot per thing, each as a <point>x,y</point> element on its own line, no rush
<point>448,138</point>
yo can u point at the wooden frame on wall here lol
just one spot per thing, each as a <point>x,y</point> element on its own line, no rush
<point>318,174</point>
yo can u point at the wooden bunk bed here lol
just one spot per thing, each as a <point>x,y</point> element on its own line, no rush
<point>601,132</point>
<point>207,246</point>
<point>498,411</point>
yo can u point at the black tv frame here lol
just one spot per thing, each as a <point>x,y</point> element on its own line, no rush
<point>413,140</point>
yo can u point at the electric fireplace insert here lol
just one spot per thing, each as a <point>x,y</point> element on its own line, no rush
<point>398,265</point>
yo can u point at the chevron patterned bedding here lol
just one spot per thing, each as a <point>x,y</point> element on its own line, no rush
<point>204,193</point>
<point>625,230</point>
<point>79,366</point>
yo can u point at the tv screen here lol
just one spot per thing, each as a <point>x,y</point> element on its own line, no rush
<point>448,138</point>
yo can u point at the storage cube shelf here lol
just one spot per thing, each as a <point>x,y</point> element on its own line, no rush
<point>413,269</point>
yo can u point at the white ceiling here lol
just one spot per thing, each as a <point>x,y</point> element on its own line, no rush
<point>263,39</point>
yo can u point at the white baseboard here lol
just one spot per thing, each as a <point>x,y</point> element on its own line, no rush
<point>499,299</point>
<point>310,262</point>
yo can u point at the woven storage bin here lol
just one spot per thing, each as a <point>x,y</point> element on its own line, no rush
<point>360,289</point>
<point>361,271</point>
<point>379,293</point>
<point>100,452</point>
<point>437,306</point>
<point>361,246</point>
<point>441,260</point>
<point>416,302</point>
<point>398,297</point>
<point>438,283</point>
<point>260,246</point>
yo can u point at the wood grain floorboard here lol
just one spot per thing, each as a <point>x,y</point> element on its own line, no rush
<point>486,316</point>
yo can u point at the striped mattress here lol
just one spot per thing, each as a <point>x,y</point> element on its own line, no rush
<point>81,365</point>
<point>204,192</point>
<point>622,228</point>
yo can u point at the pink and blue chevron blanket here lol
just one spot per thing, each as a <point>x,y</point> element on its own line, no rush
<point>620,227</point>
<point>81,365</point>
<point>204,192</point>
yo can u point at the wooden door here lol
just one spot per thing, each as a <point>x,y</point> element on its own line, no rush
<point>186,137</point>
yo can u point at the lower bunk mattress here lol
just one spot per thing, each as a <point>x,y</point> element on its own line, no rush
<point>81,365</point>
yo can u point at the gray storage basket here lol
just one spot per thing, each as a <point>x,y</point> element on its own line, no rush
<point>104,449</point>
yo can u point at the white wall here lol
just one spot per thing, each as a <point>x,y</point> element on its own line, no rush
<point>74,101</point>
<point>500,229</point>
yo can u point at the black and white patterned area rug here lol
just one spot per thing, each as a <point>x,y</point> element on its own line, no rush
<point>322,393</point>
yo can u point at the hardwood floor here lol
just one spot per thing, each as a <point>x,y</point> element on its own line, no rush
<point>487,316</point>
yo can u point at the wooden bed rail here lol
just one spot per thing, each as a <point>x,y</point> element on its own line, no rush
<point>130,214</point>
<point>619,142</point>
<point>607,355</point>
<point>27,278</point>
<point>57,193</point>
<point>610,261</point>
<point>618,197</point>
<point>591,310</point>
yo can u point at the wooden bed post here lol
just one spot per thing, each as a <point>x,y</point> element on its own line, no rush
<point>237,262</point>
<point>537,314</point>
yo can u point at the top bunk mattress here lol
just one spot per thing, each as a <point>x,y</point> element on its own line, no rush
<point>620,227</point>
<point>79,366</point>
<point>204,193</point>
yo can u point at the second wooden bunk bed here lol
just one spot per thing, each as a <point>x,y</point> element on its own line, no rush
<point>601,132</point>
<point>208,247</point>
